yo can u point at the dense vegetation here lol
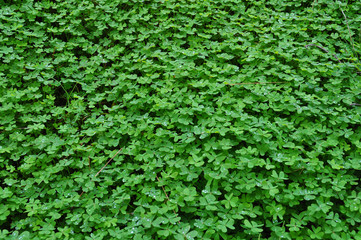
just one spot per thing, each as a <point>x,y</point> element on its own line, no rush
<point>223,119</point>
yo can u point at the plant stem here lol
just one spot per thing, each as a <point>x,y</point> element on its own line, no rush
<point>323,50</point>
<point>349,31</point>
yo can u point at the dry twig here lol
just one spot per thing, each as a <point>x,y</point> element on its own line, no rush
<point>314,3</point>
<point>104,167</point>
<point>166,195</point>
<point>349,31</point>
<point>323,50</point>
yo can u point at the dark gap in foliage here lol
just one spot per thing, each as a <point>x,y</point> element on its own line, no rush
<point>103,104</point>
<point>124,6</point>
<point>39,19</point>
<point>337,203</point>
<point>186,216</point>
<point>267,232</point>
<point>357,173</point>
<point>60,222</point>
<point>81,54</point>
<point>60,97</point>
<point>61,36</point>
<point>217,38</point>
<point>2,183</point>
<point>185,45</point>
<point>237,228</point>
<point>138,171</point>
<point>201,183</point>
<point>15,216</point>
<point>199,62</point>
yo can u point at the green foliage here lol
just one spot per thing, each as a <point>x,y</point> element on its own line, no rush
<point>230,128</point>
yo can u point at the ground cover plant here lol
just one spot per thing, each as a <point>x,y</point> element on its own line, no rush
<point>180,119</point>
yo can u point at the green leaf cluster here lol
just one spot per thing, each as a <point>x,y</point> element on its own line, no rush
<point>230,128</point>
